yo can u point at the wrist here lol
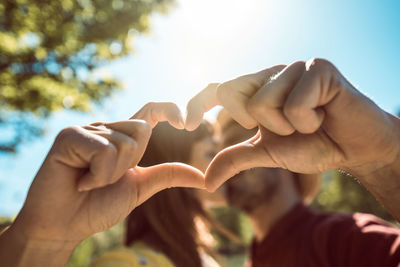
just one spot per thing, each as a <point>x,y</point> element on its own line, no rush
<point>384,185</point>
<point>387,158</point>
<point>382,177</point>
<point>379,175</point>
<point>17,249</point>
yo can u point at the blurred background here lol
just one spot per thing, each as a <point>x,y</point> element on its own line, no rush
<point>74,62</point>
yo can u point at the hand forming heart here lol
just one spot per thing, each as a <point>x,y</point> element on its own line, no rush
<point>310,119</point>
<point>90,178</point>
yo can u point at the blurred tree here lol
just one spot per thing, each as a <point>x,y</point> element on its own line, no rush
<point>236,222</point>
<point>96,245</point>
<point>49,50</point>
<point>340,192</point>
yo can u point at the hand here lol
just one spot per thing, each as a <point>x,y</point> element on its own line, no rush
<point>311,119</point>
<point>89,180</point>
<point>232,95</point>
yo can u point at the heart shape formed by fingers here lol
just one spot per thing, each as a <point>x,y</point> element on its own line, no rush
<point>295,152</point>
<point>190,150</point>
<point>172,156</point>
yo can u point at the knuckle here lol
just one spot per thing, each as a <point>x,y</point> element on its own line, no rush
<point>149,105</point>
<point>297,66</point>
<point>109,149</point>
<point>280,66</point>
<point>321,61</point>
<point>130,145</point>
<point>256,107</point>
<point>172,106</point>
<point>68,132</point>
<point>224,89</point>
<point>320,65</point>
<point>293,110</point>
<point>143,128</point>
<point>212,86</point>
<point>298,62</point>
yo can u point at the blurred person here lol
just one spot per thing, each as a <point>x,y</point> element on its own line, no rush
<point>168,229</point>
<point>88,182</point>
<point>287,232</point>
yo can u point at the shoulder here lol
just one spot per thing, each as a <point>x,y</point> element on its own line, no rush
<point>360,239</point>
<point>136,256</point>
<point>357,223</point>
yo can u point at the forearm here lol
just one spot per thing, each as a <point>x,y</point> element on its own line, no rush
<point>385,186</point>
<point>17,250</point>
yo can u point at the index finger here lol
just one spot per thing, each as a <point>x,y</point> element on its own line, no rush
<point>140,133</point>
<point>155,112</point>
<point>200,104</point>
<point>234,95</point>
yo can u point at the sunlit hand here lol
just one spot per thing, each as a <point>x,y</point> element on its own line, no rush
<point>311,119</point>
<point>89,180</point>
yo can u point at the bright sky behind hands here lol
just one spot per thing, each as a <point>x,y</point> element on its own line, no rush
<point>200,42</point>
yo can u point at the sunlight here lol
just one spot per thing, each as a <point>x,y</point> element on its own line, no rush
<point>199,38</point>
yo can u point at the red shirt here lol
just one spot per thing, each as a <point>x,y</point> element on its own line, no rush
<point>307,238</point>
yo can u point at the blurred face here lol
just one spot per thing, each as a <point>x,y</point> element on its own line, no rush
<point>202,153</point>
<point>249,188</point>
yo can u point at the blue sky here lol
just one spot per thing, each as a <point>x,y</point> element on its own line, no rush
<point>200,42</point>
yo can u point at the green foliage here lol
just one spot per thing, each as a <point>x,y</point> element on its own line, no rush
<point>340,192</point>
<point>49,50</point>
<point>112,238</point>
<point>97,245</point>
<point>237,223</point>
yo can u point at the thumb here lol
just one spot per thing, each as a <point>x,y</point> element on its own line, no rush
<point>153,179</point>
<point>233,160</point>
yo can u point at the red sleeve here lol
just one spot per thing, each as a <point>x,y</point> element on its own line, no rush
<point>358,240</point>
